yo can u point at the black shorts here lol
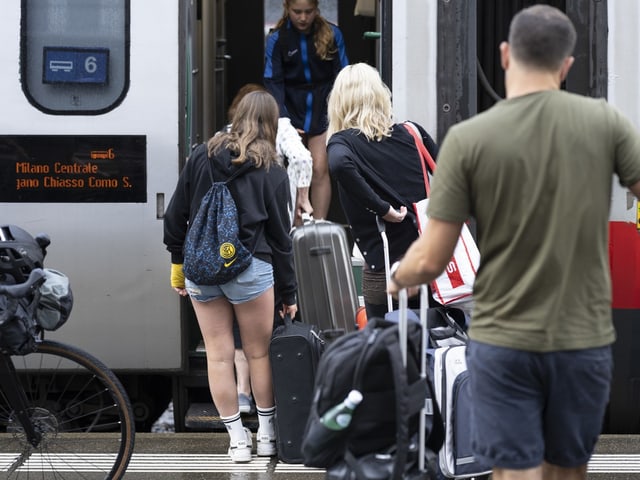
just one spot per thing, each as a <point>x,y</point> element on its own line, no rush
<point>529,407</point>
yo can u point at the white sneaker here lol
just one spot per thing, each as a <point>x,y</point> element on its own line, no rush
<point>241,451</point>
<point>266,445</point>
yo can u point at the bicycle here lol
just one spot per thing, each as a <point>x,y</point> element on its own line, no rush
<point>52,396</point>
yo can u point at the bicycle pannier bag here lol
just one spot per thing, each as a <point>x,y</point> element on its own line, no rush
<point>17,330</point>
<point>56,300</point>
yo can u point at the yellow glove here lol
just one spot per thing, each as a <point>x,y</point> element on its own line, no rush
<point>177,275</point>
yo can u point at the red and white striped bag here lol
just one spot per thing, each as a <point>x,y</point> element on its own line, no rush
<point>455,285</point>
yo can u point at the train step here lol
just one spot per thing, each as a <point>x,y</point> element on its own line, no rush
<point>203,417</point>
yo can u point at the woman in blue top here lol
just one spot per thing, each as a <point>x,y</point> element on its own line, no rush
<point>304,53</point>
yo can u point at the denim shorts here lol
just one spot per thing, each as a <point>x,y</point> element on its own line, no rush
<point>250,284</point>
<point>529,407</point>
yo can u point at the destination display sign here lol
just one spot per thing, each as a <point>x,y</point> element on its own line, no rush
<point>73,168</point>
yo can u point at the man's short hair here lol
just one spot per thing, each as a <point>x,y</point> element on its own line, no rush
<point>541,37</point>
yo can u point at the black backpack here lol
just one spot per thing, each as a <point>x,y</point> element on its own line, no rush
<point>386,420</point>
<point>213,253</point>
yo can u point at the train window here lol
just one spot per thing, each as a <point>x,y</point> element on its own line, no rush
<point>75,55</point>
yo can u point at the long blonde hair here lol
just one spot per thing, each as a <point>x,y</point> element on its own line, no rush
<point>253,131</point>
<point>323,39</point>
<point>360,99</point>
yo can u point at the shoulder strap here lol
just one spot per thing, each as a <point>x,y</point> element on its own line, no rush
<point>424,154</point>
<point>209,160</point>
<point>239,171</point>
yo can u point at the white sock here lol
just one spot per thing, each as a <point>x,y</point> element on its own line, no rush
<point>234,426</point>
<point>265,421</point>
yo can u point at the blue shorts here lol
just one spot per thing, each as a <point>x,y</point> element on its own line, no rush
<point>250,284</point>
<point>529,407</point>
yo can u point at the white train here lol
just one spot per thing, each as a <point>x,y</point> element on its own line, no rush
<point>102,101</point>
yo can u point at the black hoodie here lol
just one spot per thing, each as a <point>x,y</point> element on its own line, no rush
<point>262,198</point>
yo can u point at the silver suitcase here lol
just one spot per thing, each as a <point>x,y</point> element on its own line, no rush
<point>327,294</point>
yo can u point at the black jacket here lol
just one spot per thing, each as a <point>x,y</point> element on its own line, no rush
<point>372,176</point>
<point>262,198</point>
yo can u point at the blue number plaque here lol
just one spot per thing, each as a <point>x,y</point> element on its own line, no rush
<point>75,65</point>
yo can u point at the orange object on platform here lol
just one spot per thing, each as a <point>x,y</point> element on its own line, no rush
<point>361,318</point>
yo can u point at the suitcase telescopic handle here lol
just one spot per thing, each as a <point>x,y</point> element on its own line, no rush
<point>387,262</point>
<point>403,304</point>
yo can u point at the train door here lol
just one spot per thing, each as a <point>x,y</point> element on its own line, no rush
<point>224,49</point>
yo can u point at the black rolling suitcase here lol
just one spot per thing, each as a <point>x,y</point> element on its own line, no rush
<point>327,294</point>
<point>294,353</point>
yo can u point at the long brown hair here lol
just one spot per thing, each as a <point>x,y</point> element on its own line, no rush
<point>253,131</point>
<point>323,33</point>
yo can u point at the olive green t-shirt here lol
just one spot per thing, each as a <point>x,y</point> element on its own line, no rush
<point>536,173</point>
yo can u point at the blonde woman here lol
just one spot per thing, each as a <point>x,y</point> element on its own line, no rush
<point>303,55</point>
<point>262,195</point>
<point>378,171</point>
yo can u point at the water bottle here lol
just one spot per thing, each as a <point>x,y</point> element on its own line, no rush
<point>339,417</point>
<point>330,430</point>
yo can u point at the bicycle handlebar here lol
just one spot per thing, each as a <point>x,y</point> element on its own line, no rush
<point>23,289</point>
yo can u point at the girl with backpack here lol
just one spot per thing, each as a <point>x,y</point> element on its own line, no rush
<point>261,194</point>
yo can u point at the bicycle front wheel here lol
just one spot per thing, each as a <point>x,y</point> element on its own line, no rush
<point>81,410</point>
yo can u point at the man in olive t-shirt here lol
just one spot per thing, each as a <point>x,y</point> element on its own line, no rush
<point>535,171</point>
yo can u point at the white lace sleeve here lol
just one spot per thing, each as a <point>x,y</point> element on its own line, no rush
<point>294,154</point>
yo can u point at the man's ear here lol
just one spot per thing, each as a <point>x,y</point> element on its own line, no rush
<point>504,55</point>
<point>566,66</point>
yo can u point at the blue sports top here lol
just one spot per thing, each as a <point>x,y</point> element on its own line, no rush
<point>297,77</point>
